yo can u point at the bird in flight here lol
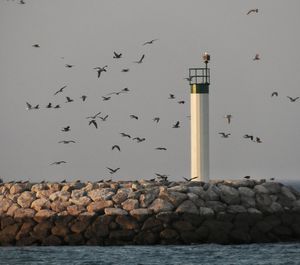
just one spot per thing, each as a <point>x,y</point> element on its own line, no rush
<point>181,102</point>
<point>156,119</point>
<point>258,140</point>
<point>69,65</point>
<point>125,89</point>
<point>116,147</point>
<point>133,117</point>
<point>36,46</point>
<point>57,107</point>
<point>247,136</point>
<point>149,42</point>
<point>69,100</point>
<point>139,140</point>
<point>225,135</point>
<point>125,70</point>
<point>256,57</point>
<point>162,176</point>
<point>274,94</point>
<point>125,135</point>
<point>66,142</point>
<point>171,96</point>
<point>94,123</point>
<point>161,148</point>
<point>60,90</point>
<point>255,10</point>
<point>66,129</point>
<point>112,171</point>
<point>247,177</point>
<point>140,60</point>
<point>293,99</point>
<point>188,79</point>
<point>94,117</point>
<point>176,125</point>
<point>83,97</point>
<point>49,105</point>
<point>117,55</point>
<point>106,98</point>
<point>104,118</point>
<point>22,2</point>
<point>100,70</point>
<point>29,106</point>
<point>58,162</point>
<point>228,117</point>
<point>188,180</point>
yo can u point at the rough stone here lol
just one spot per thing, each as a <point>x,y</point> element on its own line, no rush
<point>81,201</point>
<point>130,204</point>
<point>147,198</point>
<point>60,195</point>
<point>272,187</point>
<point>173,197</point>
<point>101,194</point>
<point>24,213</point>
<point>40,204</point>
<point>5,204</point>
<point>261,189</point>
<point>127,222</point>
<point>187,207</point>
<point>43,215</point>
<point>59,206</point>
<point>75,210</point>
<point>99,206</point>
<point>115,211</point>
<point>26,198</point>
<point>288,194</point>
<point>229,194</point>
<point>217,206</point>
<point>160,205</point>
<point>206,212</point>
<point>198,190</point>
<point>247,192</point>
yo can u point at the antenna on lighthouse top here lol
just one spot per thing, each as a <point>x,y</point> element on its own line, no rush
<point>206,57</point>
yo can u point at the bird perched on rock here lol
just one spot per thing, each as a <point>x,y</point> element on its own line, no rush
<point>247,177</point>
<point>224,135</point>
<point>57,107</point>
<point>149,42</point>
<point>49,105</point>
<point>69,65</point>
<point>83,97</point>
<point>255,10</point>
<point>140,60</point>
<point>60,90</point>
<point>117,55</point>
<point>161,177</point>
<point>100,70</point>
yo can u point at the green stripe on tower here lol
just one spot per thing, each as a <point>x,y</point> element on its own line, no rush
<point>199,88</point>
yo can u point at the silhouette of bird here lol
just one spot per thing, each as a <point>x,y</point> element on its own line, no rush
<point>162,176</point>
<point>58,162</point>
<point>83,97</point>
<point>60,90</point>
<point>94,116</point>
<point>176,125</point>
<point>188,180</point>
<point>69,65</point>
<point>94,123</point>
<point>66,129</point>
<point>171,96</point>
<point>63,181</point>
<point>112,171</point>
<point>125,135</point>
<point>149,42</point>
<point>30,107</point>
<point>106,98</point>
<point>66,142</point>
<point>272,179</point>
<point>274,94</point>
<point>247,136</point>
<point>139,140</point>
<point>133,117</point>
<point>161,148</point>
<point>126,89</point>
<point>224,135</point>
<point>228,117</point>
<point>49,105</point>
<point>258,140</point>
<point>57,107</point>
<point>293,99</point>
<point>140,60</point>
<point>117,55</point>
<point>36,45</point>
<point>116,147</point>
<point>256,57</point>
<point>188,79</point>
<point>104,118</point>
<point>125,70</point>
<point>156,119</point>
<point>100,70</point>
<point>22,2</point>
<point>247,177</point>
<point>255,10</point>
<point>181,102</point>
<point>69,100</point>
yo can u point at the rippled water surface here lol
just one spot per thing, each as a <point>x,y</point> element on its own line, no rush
<point>285,254</point>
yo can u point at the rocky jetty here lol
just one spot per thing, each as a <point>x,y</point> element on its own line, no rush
<point>148,212</point>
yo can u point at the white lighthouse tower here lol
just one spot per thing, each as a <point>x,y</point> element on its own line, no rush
<point>199,82</point>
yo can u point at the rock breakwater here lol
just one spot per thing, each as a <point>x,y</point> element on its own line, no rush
<point>148,212</point>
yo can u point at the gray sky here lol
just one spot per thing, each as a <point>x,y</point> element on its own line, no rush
<point>85,33</point>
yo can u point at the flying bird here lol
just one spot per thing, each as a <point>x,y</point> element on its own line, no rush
<point>256,57</point>
<point>150,42</point>
<point>116,147</point>
<point>30,107</point>
<point>228,117</point>
<point>112,171</point>
<point>140,60</point>
<point>224,135</point>
<point>162,176</point>
<point>139,140</point>
<point>49,105</point>
<point>117,55</point>
<point>293,99</point>
<point>188,180</point>
<point>57,107</point>
<point>126,89</point>
<point>188,78</point>
<point>156,119</point>
<point>181,102</point>
<point>104,118</point>
<point>274,94</point>
<point>83,97</point>
<point>69,65</point>
<point>134,117</point>
<point>94,116</point>
<point>69,100</point>
<point>171,96</point>
<point>161,148</point>
<point>36,46</point>
<point>66,129</point>
<point>94,123</point>
<point>125,70</point>
<point>255,10</point>
<point>258,140</point>
<point>125,135</point>
<point>247,177</point>
<point>22,2</point>
<point>58,162</point>
<point>106,98</point>
<point>247,136</point>
<point>66,142</point>
<point>100,70</point>
<point>60,90</point>
<point>176,125</point>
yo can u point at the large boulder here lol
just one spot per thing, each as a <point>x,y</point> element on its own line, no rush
<point>160,205</point>
<point>173,197</point>
<point>187,207</point>
<point>40,204</point>
<point>130,204</point>
<point>99,206</point>
<point>101,194</point>
<point>26,198</point>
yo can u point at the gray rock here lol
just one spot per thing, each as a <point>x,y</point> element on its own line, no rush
<point>60,195</point>
<point>285,191</point>
<point>217,206</point>
<point>82,201</point>
<point>275,207</point>
<point>247,192</point>
<point>272,187</point>
<point>140,214</point>
<point>195,199</point>
<point>187,207</point>
<point>197,190</point>
<point>229,194</point>
<point>248,201</point>
<point>147,198</point>
<point>206,212</point>
<point>76,194</point>
<point>101,194</point>
<point>179,188</point>
<point>236,209</point>
<point>261,189</point>
<point>173,197</point>
<point>210,195</point>
<point>160,205</point>
<point>263,201</point>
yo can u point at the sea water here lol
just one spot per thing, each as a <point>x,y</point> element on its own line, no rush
<point>212,254</point>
